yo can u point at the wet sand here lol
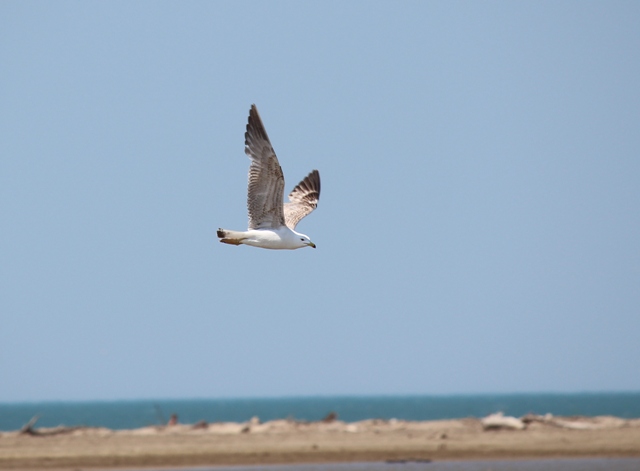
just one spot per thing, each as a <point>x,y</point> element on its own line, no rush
<point>280,442</point>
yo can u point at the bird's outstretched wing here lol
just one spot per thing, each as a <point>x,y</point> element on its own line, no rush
<point>266,181</point>
<point>303,199</point>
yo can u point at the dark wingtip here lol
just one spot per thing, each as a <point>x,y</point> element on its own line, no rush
<point>254,127</point>
<point>315,174</point>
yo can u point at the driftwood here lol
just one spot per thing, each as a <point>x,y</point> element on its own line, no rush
<point>27,429</point>
<point>576,422</point>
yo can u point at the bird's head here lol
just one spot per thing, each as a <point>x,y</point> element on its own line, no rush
<point>305,241</point>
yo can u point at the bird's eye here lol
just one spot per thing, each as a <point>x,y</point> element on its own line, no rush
<point>301,239</point>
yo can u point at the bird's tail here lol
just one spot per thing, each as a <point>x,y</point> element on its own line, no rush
<point>230,237</point>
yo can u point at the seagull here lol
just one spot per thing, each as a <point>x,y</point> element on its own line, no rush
<point>272,223</point>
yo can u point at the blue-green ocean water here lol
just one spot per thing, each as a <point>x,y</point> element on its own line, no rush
<point>140,413</point>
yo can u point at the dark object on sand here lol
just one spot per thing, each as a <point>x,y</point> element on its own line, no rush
<point>330,417</point>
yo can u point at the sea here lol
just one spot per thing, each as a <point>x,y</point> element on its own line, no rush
<point>130,414</point>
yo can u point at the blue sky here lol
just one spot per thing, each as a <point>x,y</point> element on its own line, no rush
<point>478,228</point>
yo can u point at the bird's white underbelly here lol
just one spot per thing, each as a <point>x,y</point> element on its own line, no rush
<point>281,238</point>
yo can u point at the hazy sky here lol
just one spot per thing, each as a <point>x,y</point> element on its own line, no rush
<point>478,228</point>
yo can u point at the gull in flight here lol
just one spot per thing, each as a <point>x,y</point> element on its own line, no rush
<point>272,223</point>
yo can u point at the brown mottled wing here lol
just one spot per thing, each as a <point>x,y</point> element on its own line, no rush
<point>303,199</point>
<point>266,181</point>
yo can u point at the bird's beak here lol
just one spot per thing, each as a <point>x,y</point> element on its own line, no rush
<point>312,245</point>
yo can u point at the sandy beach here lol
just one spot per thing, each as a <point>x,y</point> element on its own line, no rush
<point>285,441</point>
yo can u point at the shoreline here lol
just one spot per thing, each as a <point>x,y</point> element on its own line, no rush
<point>291,442</point>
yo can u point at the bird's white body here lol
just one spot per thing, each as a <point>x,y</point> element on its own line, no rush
<point>281,238</point>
